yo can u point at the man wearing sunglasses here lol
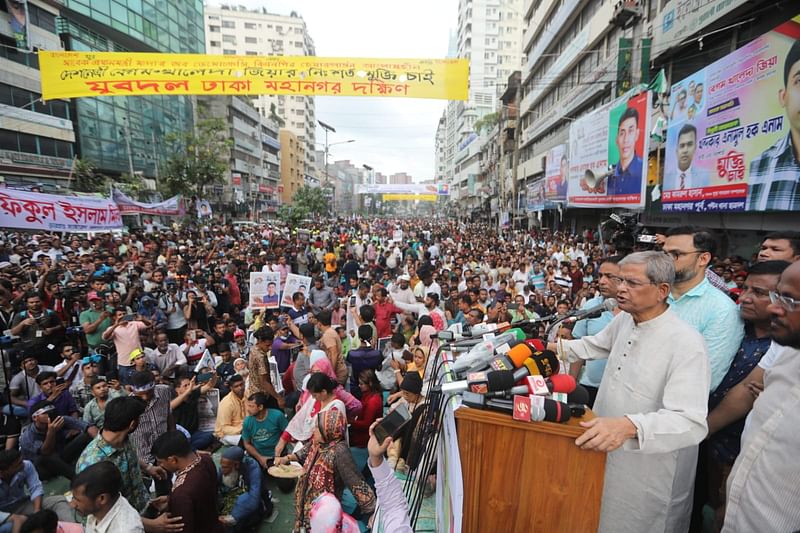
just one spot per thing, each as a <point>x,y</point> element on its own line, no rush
<point>762,490</point>
<point>697,302</point>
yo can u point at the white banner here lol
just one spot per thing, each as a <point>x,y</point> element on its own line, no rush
<point>384,188</point>
<point>295,283</point>
<point>50,212</point>
<point>680,19</point>
<point>265,290</point>
<point>129,206</point>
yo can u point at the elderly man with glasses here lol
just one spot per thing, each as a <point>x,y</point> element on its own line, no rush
<point>651,404</point>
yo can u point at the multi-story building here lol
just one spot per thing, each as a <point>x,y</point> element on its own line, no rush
<point>37,139</point>
<point>234,30</point>
<point>508,195</point>
<point>125,134</point>
<point>489,34</point>
<point>346,177</point>
<point>251,182</point>
<point>400,178</point>
<point>292,164</point>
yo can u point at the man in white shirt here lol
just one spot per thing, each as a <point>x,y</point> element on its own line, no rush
<point>652,402</point>
<point>166,356</point>
<point>686,176</point>
<point>762,490</point>
<point>426,286</point>
<point>96,494</point>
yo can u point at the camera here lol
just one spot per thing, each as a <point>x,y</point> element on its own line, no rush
<point>74,330</point>
<point>629,234</point>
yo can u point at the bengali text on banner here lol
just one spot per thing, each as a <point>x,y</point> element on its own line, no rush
<point>78,74</point>
<point>49,212</point>
<point>732,130</point>
<point>412,197</point>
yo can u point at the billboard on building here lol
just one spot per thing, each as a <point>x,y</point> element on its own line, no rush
<point>537,195</point>
<point>734,128</point>
<point>18,20</point>
<point>556,170</point>
<point>607,150</point>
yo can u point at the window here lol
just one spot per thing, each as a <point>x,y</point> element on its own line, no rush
<point>250,26</point>
<point>229,39</point>
<point>251,53</point>
<point>251,40</point>
<point>213,17</point>
<point>228,52</point>
<point>40,17</point>
<point>214,43</point>
<point>213,29</point>
<point>228,24</point>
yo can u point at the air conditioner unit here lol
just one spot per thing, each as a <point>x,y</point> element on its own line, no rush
<point>626,11</point>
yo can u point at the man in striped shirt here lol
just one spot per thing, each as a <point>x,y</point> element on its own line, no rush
<point>774,175</point>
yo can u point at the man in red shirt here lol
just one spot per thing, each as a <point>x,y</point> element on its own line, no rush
<point>384,309</point>
<point>234,293</point>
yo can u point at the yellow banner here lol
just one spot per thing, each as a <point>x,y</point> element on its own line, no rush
<point>420,197</point>
<point>76,74</point>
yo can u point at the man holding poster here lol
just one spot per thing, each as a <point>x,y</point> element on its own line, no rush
<point>627,176</point>
<point>774,175</point>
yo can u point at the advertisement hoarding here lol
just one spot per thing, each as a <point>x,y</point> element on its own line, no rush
<point>732,129</point>
<point>607,152</point>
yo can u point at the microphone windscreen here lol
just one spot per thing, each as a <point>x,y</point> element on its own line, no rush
<point>518,334</point>
<point>563,383</point>
<point>579,396</point>
<point>556,411</point>
<point>519,353</point>
<point>537,344</point>
<point>500,380</point>
<point>547,363</point>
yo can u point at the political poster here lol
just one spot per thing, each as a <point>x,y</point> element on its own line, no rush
<point>295,283</point>
<point>129,206</point>
<point>556,173</point>
<point>52,212</point>
<point>607,150</point>
<point>537,196</point>
<point>265,290</point>
<point>734,130</point>
<point>78,74</point>
<point>19,22</point>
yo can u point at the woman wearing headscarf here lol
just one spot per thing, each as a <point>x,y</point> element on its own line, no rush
<point>328,467</point>
<point>301,425</point>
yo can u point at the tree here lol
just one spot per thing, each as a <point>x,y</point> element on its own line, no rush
<point>86,178</point>
<point>312,199</point>
<point>199,158</point>
<point>487,121</point>
<point>273,114</point>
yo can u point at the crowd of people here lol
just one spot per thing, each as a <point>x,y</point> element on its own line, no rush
<point>131,360</point>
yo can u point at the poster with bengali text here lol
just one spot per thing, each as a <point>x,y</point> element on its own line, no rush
<point>295,283</point>
<point>265,290</point>
<point>607,151</point>
<point>734,130</point>
<point>556,171</point>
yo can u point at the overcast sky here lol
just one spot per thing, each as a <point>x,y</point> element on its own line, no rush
<point>391,134</point>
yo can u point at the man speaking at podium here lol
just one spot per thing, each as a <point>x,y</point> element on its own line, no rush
<point>651,404</point>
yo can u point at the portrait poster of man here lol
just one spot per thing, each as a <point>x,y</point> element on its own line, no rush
<point>265,290</point>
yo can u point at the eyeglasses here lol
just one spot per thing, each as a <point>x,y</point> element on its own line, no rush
<point>632,283</point>
<point>677,254</point>
<point>787,302</point>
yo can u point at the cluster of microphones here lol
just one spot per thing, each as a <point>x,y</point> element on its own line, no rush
<point>518,375</point>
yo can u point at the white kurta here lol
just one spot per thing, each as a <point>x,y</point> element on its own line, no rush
<point>658,376</point>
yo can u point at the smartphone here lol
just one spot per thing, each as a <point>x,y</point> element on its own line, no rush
<point>129,318</point>
<point>352,301</point>
<point>392,423</point>
<point>192,335</point>
<point>60,380</point>
<point>205,377</point>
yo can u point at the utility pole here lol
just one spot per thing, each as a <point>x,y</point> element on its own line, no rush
<point>155,153</point>
<point>327,128</point>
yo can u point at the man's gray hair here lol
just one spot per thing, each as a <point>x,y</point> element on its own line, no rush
<point>660,267</point>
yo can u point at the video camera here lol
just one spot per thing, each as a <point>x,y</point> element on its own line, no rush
<point>629,234</point>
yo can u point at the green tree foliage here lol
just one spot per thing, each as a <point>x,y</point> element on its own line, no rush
<point>307,201</point>
<point>199,158</point>
<point>486,122</point>
<point>86,178</point>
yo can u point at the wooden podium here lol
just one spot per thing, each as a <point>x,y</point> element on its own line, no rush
<point>527,476</point>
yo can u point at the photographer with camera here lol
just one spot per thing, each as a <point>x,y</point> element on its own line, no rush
<point>171,303</point>
<point>39,328</point>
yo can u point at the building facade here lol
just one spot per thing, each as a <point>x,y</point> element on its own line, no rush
<point>125,134</point>
<point>37,139</point>
<point>292,164</point>
<point>233,30</point>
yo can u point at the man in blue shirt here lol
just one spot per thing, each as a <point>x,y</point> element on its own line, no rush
<point>593,370</point>
<point>699,303</point>
<point>627,176</point>
<point>21,491</point>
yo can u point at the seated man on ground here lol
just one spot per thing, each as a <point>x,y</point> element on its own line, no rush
<point>231,413</point>
<point>54,443</point>
<point>244,496</point>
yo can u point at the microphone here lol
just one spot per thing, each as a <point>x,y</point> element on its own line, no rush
<point>483,351</point>
<point>563,383</point>
<point>482,382</point>
<point>607,305</point>
<point>579,396</point>
<point>537,409</point>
